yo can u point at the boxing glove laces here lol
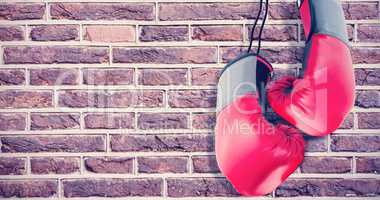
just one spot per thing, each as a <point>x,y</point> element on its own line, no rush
<point>318,101</point>
<point>255,155</point>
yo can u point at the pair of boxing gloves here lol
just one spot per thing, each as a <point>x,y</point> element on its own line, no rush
<point>255,155</point>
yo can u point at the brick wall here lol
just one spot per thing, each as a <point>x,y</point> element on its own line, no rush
<point>117,99</point>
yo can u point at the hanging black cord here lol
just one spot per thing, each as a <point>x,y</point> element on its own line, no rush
<point>254,26</point>
<point>262,26</point>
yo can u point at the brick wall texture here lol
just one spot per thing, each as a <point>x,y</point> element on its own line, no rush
<point>104,98</point>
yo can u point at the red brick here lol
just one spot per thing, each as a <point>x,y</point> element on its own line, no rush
<point>28,188</point>
<point>11,33</point>
<point>109,33</point>
<point>163,77</point>
<point>53,76</point>
<point>203,187</point>
<point>205,164</point>
<point>283,10</point>
<point>355,143</point>
<point>56,165</point>
<point>192,98</point>
<point>367,98</point>
<point>12,77</point>
<point>25,99</point>
<point>290,55</point>
<point>370,55</point>
<point>369,33</point>
<point>54,54</point>
<point>46,121</point>
<point>54,32</point>
<point>368,165</point>
<point>12,121</point>
<point>217,33</point>
<point>367,76</point>
<point>112,187</point>
<point>369,120</point>
<point>205,76</point>
<point>207,11</point>
<point>113,76</point>
<point>326,165</point>
<point>315,144</point>
<point>53,143</point>
<point>274,33</point>
<point>162,143</point>
<point>110,99</point>
<point>162,164</point>
<point>361,10</point>
<point>109,120</point>
<point>163,120</point>
<point>165,55</point>
<point>204,120</point>
<point>103,11</point>
<point>329,187</point>
<point>12,166</point>
<point>163,33</point>
<point>118,165</point>
<point>22,11</point>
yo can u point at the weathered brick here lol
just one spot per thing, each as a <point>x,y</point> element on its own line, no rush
<point>204,120</point>
<point>369,120</point>
<point>119,165</point>
<point>207,11</point>
<point>162,143</point>
<point>283,11</point>
<point>361,10</point>
<point>370,55</point>
<point>368,164</point>
<point>163,120</point>
<point>315,144</point>
<point>54,32</point>
<point>11,33</point>
<point>12,76</point>
<point>205,164</point>
<point>103,11</point>
<point>54,143</point>
<point>116,76</point>
<point>348,122</point>
<point>167,55</point>
<point>46,121</point>
<point>163,76</point>
<point>28,188</point>
<point>217,33</point>
<point>326,165</point>
<point>162,164</point>
<point>192,98</point>
<point>163,33</point>
<point>329,187</point>
<point>53,76</point>
<point>367,76</point>
<point>109,120</point>
<point>12,166</point>
<point>56,165</point>
<point>274,33</point>
<point>355,143</point>
<point>112,187</point>
<point>108,99</point>
<point>368,99</point>
<point>205,76</point>
<point>12,121</point>
<point>22,11</point>
<point>108,33</point>
<point>205,187</point>
<point>368,33</point>
<point>54,54</point>
<point>25,99</point>
<point>291,55</point>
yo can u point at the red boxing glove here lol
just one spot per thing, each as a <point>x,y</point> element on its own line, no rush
<point>318,101</point>
<point>253,154</point>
